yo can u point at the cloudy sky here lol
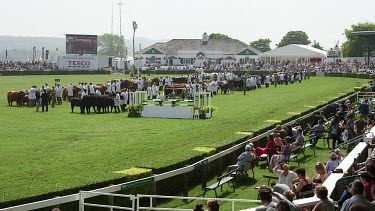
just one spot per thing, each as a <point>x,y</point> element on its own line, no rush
<point>246,20</point>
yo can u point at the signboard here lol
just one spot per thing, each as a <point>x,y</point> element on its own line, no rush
<point>81,44</point>
<point>57,80</point>
<point>77,62</point>
<point>136,183</point>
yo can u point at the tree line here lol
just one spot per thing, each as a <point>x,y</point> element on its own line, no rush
<point>354,46</point>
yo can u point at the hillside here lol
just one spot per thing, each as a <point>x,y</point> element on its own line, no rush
<point>21,47</point>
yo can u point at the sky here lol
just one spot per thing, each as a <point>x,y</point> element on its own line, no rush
<point>246,20</point>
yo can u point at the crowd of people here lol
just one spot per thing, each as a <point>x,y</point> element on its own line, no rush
<point>26,66</point>
<point>360,195</point>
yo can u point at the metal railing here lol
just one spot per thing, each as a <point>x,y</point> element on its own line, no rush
<point>166,175</point>
<point>151,197</point>
<point>88,194</point>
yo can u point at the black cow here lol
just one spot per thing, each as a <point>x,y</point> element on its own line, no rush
<point>75,102</point>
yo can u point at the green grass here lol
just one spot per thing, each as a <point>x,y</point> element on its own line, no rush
<point>48,152</point>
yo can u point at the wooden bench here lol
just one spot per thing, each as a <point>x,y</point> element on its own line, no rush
<point>294,155</point>
<point>226,178</point>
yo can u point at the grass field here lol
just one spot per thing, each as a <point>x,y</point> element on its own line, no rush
<point>48,152</point>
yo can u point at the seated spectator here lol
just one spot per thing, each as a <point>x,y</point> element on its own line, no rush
<point>290,131</point>
<point>277,140</point>
<point>332,164</point>
<point>270,148</point>
<point>244,160</point>
<point>324,204</point>
<point>367,184</point>
<point>198,207</point>
<point>283,156</point>
<point>285,175</point>
<point>265,196</point>
<point>317,131</point>
<point>321,174</point>
<point>364,108</point>
<point>360,167</point>
<point>369,125</point>
<point>282,133</point>
<point>290,195</point>
<point>213,205</point>
<point>283,206</point>
<point>305,183</point>
<point>340,158</point>
<point>356,190</point>
<point>299,140</point>
<point>359,208</point>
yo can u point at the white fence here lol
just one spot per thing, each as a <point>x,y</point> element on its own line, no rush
<point>159,177</point>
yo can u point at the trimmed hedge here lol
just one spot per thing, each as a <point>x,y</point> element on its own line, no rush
<point>55,72</point>
<point>350,75</point>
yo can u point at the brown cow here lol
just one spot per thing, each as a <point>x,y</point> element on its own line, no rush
<point>15,96</point>
<point>75,92</point>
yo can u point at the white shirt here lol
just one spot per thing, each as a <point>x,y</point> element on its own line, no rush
<point>59,91</point>
<point>149,91</point>
<point>32,94</point>
<point>92,91</point>
<point>118,86</point>
<point>154,90</point>
<point>83,94</point>
<point>267,80</point>
<point>98,92</point>
<point>287,180</point>
<point>70,90</point>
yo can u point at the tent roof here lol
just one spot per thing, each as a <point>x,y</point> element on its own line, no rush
<point>294,50</point>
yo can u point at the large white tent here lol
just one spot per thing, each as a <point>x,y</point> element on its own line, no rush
<point>294,52</point>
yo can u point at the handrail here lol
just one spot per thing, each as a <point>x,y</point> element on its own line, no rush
<point>162,176</point>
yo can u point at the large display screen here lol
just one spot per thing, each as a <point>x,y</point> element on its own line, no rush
<point>81,44</point>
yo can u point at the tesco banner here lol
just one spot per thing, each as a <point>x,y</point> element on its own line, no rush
<point>77,62</point>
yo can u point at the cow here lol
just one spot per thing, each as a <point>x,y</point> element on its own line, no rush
<point>75,92</point>
<point>75,102</point>
<point>224,87</point>
<point>97,102</point>
<point>17,96</point>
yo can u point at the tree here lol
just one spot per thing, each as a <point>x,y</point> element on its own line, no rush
<point>219,36</point>
<point>317,45</point>
<point>111,45</point>
<point>294,37</point>
<point>357,46</point>
<point>262,45</point>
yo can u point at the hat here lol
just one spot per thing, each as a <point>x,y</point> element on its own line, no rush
<point>372,154</point>
<point>249,147</point>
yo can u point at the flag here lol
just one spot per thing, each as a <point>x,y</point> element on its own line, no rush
<point>6,54</point>
<point>34,53</point>
<point>43,54</point>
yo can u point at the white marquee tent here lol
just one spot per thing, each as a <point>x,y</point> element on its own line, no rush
<point>294,52</point>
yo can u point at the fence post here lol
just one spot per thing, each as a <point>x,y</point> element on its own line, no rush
<point>219,166</point>
<point>81,201</point>
<point>186,185</point>
<point>110,202</point>
<point>154,190</point>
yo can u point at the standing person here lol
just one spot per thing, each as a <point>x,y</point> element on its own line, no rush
<point>80,86</point>
<point>149,92</point>
<point>44,97</point>
<point>364,108</point>
<point>91,89</point>
<point>38,99</point>
<point>334,128</point>
<point>267,81</point>
<point>118,87</point>
<point>359,126</point>
<point>32,96</point>
<point>108,88</point>
<point>113,87</point>
<point>117,103</point>
<point>122,102</point>
<point>154,90</point>
<point>53,96</point>
<point>325,204</point>
<point>70,91</point>
<point>161,84</point>
<point>84,93</point>
<point>59,91</point>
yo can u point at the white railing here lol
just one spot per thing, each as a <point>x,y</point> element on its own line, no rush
<point>88,194</point>
<point>151,197</point>
<point>159,177</point>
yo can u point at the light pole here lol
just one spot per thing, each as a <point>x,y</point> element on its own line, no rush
<point>135,27</point>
